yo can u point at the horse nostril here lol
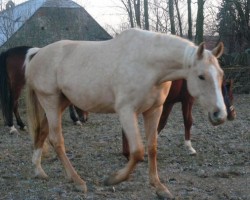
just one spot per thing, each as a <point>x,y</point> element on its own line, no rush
<point>216,114</point>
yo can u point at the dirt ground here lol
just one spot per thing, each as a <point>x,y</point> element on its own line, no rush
<point>220,170</point>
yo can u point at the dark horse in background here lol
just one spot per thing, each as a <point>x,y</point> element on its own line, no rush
<point>12,81</point>
<point>179,93</point>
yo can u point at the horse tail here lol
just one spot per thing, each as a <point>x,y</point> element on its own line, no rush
<point>29,55</point>
<point>35,112</point>
<point>6,99</point>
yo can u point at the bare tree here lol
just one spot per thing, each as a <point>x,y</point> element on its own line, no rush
<point>146,15</point>
<point>128,6</point>
<point>200,22</point>
<point>190,21</point>
<point>137,7</point>
<point>171,16</point>
<point>178,16</point>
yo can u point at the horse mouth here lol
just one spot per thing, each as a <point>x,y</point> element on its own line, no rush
<point>215,121</point>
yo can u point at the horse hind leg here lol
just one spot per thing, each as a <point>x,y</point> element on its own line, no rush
<point>38,149</point>
<point>18,118</point>
<point>73,116</point>
<point>54,116</point>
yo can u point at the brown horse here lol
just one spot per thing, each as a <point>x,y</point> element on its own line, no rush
<point>179,93</point>
<point>12,81</point>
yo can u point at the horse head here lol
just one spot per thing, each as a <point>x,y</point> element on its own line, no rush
<point>204,80</point>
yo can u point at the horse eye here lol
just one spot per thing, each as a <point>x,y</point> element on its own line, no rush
<point>201,77</point>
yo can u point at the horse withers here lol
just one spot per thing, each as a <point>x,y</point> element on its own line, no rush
<point>127,75</point>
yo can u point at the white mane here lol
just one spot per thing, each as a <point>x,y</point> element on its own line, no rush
<point>189,56</point>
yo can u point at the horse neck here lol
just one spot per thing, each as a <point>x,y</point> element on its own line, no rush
<point>177,59</point>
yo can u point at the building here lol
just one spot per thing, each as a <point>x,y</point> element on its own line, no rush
<point>41,22</point>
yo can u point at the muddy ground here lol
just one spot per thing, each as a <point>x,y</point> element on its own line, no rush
<point>220,170</point>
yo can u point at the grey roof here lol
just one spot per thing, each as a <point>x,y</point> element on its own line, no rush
<point>12,19</point>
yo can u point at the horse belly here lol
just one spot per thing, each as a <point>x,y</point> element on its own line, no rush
<point>91,100</point>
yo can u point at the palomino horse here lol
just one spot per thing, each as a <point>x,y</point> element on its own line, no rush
<point>12,81</point>
<point>126,75</point>
<point>179,93</point>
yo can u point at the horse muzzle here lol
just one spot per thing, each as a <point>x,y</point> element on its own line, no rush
<point>217,118</point>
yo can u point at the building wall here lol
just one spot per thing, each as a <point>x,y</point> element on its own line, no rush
<point>50,24</point>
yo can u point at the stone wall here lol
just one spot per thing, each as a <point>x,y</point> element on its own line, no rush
<point>240,76</point>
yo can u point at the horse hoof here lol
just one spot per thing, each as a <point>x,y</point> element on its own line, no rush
<point>23,128</point>
<point>113,179</point>
<point>14,132</point>
<point>192,152</point>
<point>40,174</point>
<point>82,187</point>
<point>78,123</point>
<point>163,194</point>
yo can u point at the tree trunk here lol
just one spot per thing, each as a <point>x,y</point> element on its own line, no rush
<point>171,16</point>
<point>190,21</point>
<point>146,14</point>
<point>179,16</point>
<point>137,7</point>
<point>199,22</point>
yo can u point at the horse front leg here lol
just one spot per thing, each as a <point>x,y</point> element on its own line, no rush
<point>129,122</point>
<point>151,120</point>
<point>167,107</point>
<point>188,122</point>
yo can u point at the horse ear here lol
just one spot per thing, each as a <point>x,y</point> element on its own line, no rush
<point>200,50</point>
<point>218,51</point>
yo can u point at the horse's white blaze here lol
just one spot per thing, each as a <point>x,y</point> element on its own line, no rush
<point>219,98</point>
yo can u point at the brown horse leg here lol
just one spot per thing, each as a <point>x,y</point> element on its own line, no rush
<point>151,120</point>
<point>129,122</point>
<point>83,115</point>
<point>188,122</point>
<point>167,107</point>
<point>125,146</point>
<point>17,115</point>
<point>73,116</point>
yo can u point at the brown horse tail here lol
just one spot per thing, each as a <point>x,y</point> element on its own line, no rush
<point>6,100</point>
